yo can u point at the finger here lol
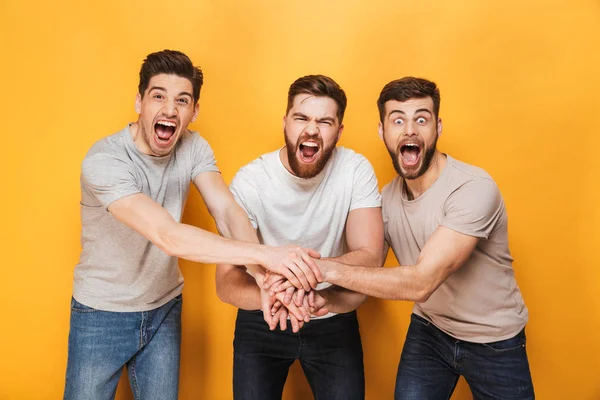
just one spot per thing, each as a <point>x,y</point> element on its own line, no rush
<point>289,292</point>
<point>294,322</point>
<point>319,312</point>
<point>291,277</point>
<point>299,297</point>
<point>308,255</point>
<point>281,287</point>
<point>273,279</point>
<point>296,266</point>
<point>283,320</point>
<point>310,268</point>
<point>309,275</point>
<point>307,308</point>
<point>275,307</point>
<point>312,253</point>
<point>311,298</point>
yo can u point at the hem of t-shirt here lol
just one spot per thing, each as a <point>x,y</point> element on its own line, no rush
<point>465,231</point>
<point>102,305</point>
<point>374,204</point>
<point>119,197</point>
<point>481,339</point>
<point>196,173</point>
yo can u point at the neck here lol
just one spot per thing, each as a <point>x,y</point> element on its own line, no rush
<point>283,156</point>
<point>416,187</point>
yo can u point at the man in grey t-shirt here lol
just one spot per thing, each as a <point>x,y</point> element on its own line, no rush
<point>446,223</point>
<point>126,306</point>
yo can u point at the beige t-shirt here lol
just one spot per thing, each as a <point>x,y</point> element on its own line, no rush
<point>481,301</point>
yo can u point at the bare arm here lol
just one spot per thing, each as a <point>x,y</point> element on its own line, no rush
<point>444,253</point>
<point>234,285</point>
<point>364,236</point>
<point>142,214</point>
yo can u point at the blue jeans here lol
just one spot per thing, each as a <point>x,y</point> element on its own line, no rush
<point>101,343</point>
<point>432,362</point>
<point>329,350</point>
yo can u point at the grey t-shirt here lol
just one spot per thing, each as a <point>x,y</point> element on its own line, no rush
<point>481,301</point>
<point>119,269</point>
<point>286,209</point>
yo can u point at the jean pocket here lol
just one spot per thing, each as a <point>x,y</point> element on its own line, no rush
<point>81,308</point>
<point>420,319</point>
<point>513,343</point>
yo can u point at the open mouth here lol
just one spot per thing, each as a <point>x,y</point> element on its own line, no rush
<point>309,151</point>
<point>165,130</point>
<point>410,154</point>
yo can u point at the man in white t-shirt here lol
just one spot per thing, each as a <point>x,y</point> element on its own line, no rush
<point>447,224</point>
<point>317,195</point>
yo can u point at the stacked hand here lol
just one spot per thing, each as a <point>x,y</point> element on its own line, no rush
<point>295,264</point>
<point>281,299</point>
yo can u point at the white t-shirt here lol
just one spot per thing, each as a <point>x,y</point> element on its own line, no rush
<point>312,213</point>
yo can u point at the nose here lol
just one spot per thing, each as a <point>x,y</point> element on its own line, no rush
<point>312,128</point>
<point>170,109</point>
<point>410,128</point>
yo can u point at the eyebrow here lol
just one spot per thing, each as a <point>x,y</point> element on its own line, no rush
<point>418,111</point>
<point>299,114</point>
<point>164,90</point>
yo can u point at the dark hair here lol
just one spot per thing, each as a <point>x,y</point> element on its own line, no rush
<point>408,88</point>
<point>318,85</point>
<point>170,62</point>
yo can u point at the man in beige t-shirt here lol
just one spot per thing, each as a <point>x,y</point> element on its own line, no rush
<point>447,225</point>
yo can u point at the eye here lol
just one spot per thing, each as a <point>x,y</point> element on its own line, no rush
<point>157,96</point>
<point>421,120</point>
<point>328,123</point>
<point>300,119</point>
<point>184,101</point>
<point>398,121</point>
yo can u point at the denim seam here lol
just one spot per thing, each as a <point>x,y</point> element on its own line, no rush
<point>134,378</point>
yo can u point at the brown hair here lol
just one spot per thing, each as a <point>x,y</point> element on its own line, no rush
<point>170,62</point>
<point>409,88</point>
<point>318,85</point>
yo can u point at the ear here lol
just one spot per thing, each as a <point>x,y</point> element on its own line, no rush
<point>380,130</point>
<point>196,110</point>
<point>439,127</point>
<point>284,120</point>
<point>138,103</point>
<point>339,134</point>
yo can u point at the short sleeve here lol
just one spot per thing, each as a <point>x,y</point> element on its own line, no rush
<point>107,178</point>
<point>245,194</point>
<point>474,208</point>
<point>365,191</point>
<point>203,158</point>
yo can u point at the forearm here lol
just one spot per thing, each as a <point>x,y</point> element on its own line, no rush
<point>238,288</point>
<point>341,300</point>
<point>396,283</point>
<point>195,244</point>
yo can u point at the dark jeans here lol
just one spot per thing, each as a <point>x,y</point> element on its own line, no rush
<point>329,350</point>
<point>101,343</point>
<point>432,362</point>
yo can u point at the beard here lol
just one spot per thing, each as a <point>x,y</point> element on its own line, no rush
<point>307,171</point>
<point>425,163</point>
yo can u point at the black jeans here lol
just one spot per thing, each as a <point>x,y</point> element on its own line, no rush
<point>329,350</point>
<point>432,362</point>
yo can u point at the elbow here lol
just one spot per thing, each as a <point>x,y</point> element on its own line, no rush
<point>222,294</point>
<point>422,295</point>
<point>423,288</point>
<point>166,240</point>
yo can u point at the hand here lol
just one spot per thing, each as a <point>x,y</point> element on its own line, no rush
<point>296,264</point>
<point>318,303</point>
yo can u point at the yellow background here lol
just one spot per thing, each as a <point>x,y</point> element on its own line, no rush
<point>519,83</point>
